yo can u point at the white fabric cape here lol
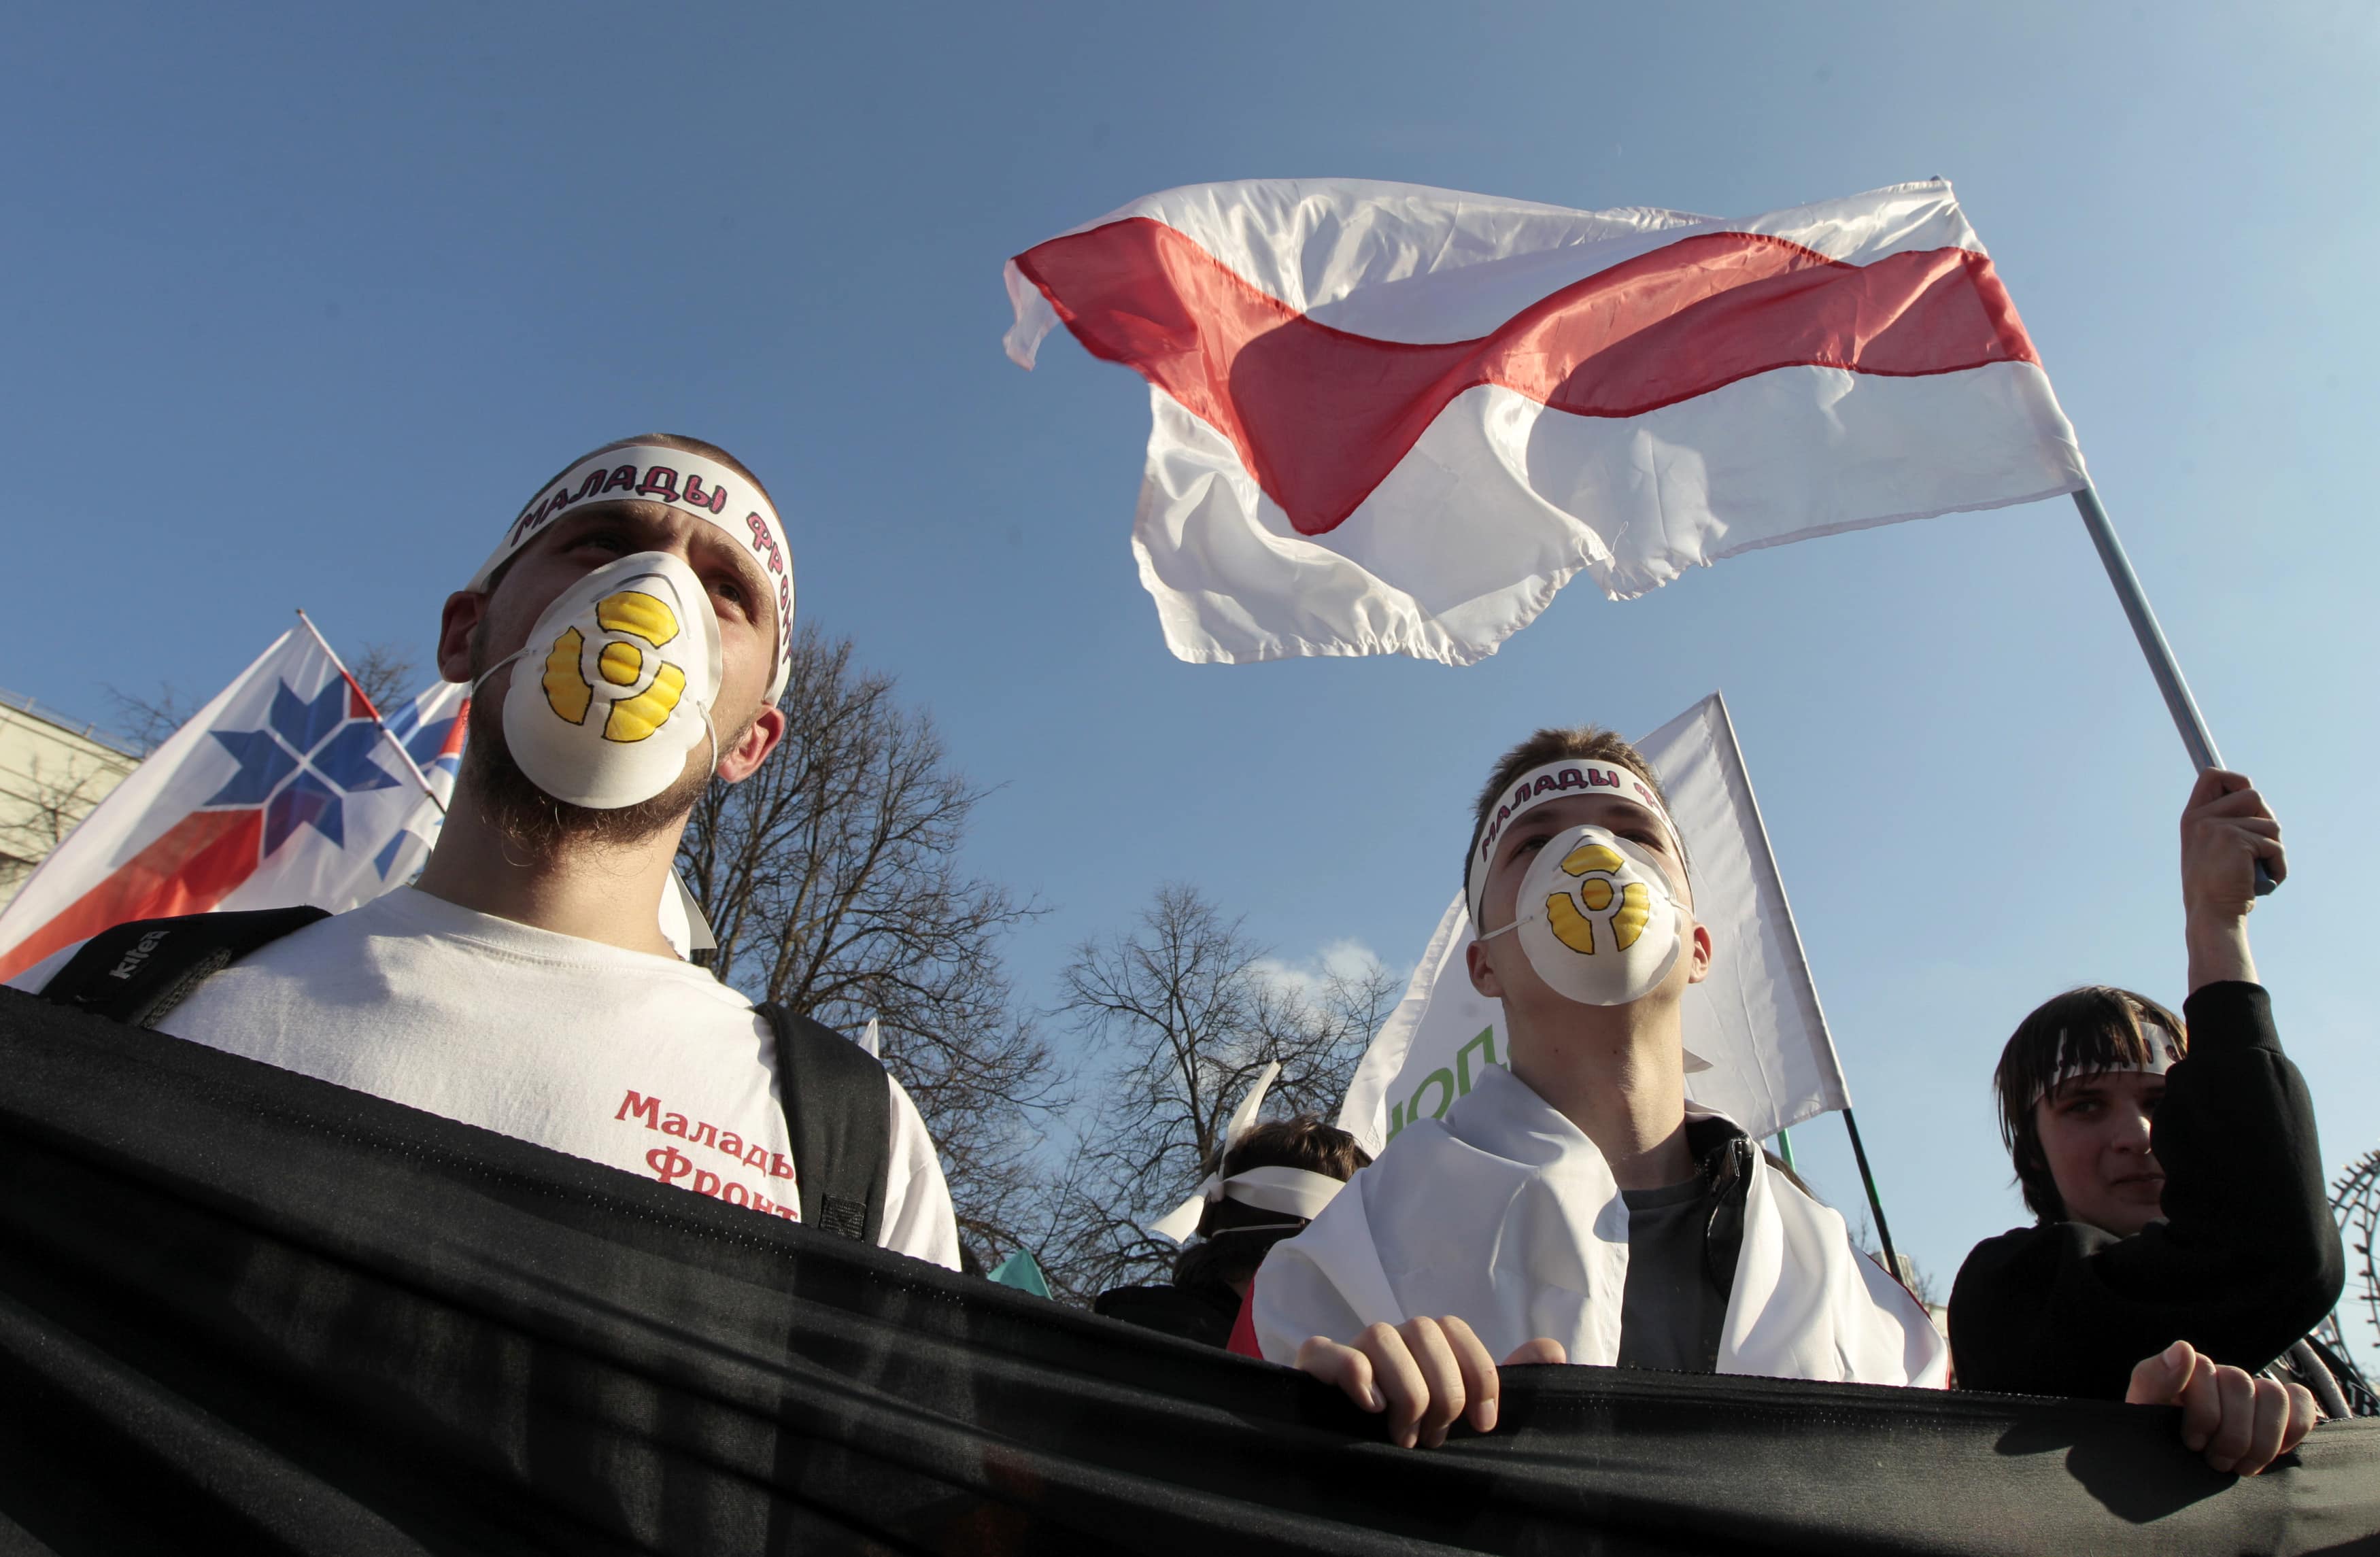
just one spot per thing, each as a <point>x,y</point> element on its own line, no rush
<point>1505,1214</point>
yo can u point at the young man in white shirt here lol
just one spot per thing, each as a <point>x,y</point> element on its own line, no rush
<point>624,650</point>
<point>1576,1208</point>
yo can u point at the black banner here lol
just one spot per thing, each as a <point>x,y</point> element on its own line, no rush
<point>241,1309</point>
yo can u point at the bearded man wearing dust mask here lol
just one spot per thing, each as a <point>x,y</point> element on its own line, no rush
<point>627,642</point>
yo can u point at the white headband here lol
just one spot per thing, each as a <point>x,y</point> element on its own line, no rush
<point>653,473</point>
<point>1298,1192</point>
<point>1291,1191</point>
<point>2165,1052</point>
<point>1568,775</point>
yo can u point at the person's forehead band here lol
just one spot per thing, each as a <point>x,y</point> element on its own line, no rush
<point>1298,1192</point>
<point>675,478</point>
<point>2165,1053</point>
<point>1555,781</point>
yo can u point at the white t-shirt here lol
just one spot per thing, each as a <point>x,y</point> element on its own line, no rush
<point>638,1062</point>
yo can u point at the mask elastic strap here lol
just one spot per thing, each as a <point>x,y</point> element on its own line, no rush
<point>477,680</point>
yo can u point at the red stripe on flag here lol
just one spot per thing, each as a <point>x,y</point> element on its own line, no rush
<point>187,870</point>
<point>1320,416</point>
<point>453,745</point>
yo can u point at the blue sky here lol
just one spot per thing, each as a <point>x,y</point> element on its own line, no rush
<point>301,302</point>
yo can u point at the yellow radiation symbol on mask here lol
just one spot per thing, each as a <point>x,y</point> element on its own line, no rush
<point>1626,910</point>
<point>637,711</point>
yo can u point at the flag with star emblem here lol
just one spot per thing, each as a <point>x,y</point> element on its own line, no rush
<point>288,788</point>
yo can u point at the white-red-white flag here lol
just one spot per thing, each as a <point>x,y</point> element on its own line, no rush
<point>1397,420</point>
<point>285,790</point>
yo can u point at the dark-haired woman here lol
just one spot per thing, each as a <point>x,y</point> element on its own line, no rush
<point>2184,1241</point>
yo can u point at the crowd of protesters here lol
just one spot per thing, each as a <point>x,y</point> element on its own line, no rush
<point>627,641</point>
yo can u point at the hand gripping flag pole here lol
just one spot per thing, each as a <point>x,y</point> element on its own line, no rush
<point>2195,736</point>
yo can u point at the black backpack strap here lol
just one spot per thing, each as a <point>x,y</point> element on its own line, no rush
<point>138,972</point>
<point>839,1115</point>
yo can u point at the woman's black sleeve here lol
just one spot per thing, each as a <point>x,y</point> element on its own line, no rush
<point>2246,1260</point>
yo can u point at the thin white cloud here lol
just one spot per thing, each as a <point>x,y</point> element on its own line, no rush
<point>1345,958</point>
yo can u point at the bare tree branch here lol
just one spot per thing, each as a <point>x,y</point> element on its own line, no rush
<point>1183,1012</point>
<point>832,883</point>
<point>39,807</point>
<point>384,670</point>
<point>145,723</point>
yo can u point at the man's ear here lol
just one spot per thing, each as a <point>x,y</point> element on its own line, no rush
<point>456,623</point>
<point>741,760</point>
<point>1483,973</point>
<point>1700,968</point>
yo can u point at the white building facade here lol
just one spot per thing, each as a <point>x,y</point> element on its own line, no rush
<point>52,770</point>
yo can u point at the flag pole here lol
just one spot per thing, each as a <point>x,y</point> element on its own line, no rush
<point>1875,1202</point>
<point>2195,736</point>
<point>1859,1150</point>
<point>382,724</point>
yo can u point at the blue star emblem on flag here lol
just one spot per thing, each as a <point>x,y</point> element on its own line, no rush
<point>310,754</point>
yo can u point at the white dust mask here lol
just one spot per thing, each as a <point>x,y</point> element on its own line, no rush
<point>1596,918</point>
<point>616,684</point>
